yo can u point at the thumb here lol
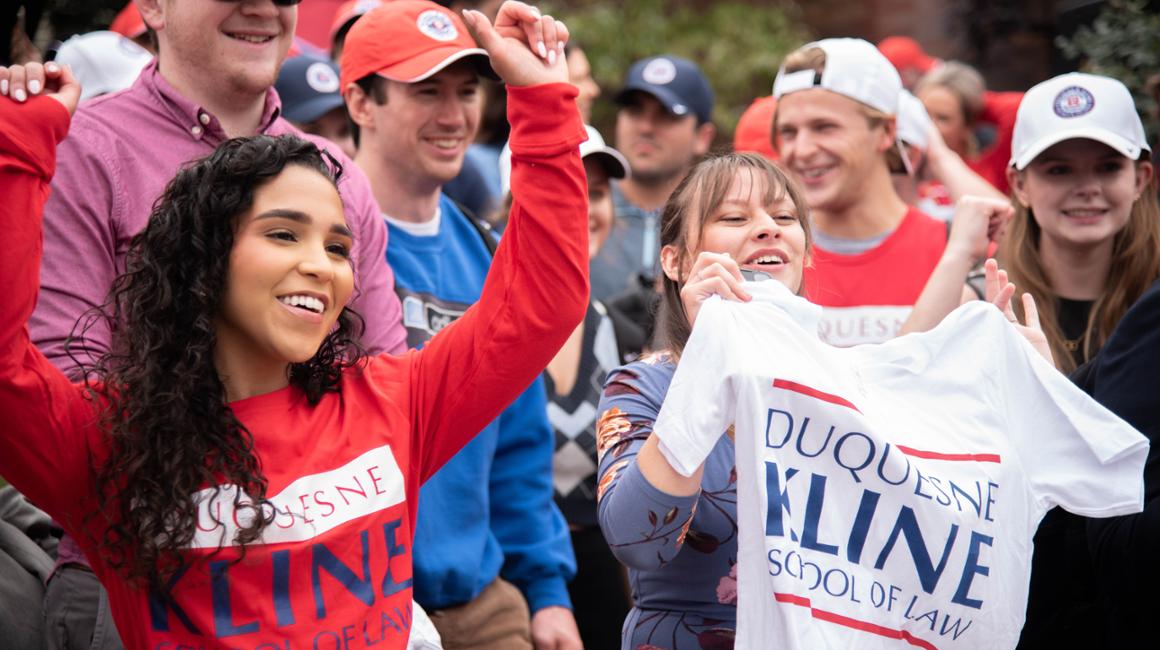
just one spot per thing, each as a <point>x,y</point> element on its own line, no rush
<point>68,89</point>
<point>481,29</point>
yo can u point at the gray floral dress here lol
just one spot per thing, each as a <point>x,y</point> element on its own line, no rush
<point>681,552</point>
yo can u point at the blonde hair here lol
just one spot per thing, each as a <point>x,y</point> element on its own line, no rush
<point>697,196</point>
<point>1135,265</point>
<point>963,81</point>
<point>813,58</point>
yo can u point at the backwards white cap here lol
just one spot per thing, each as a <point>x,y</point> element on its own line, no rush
<point>1077,105</point>
<point>914,123</point>
<point>854,68</point>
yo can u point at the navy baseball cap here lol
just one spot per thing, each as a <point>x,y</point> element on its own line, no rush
<point>308,86</point>
<point>678,84</point>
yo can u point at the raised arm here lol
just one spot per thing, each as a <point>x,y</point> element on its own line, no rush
<point>537,289</point>
<point>44,413</point>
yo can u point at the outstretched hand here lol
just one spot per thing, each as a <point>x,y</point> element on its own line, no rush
<point>20,82</point>
<point>999,292</point>
<point>526,48</point>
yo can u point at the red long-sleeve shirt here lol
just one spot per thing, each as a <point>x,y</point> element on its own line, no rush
<point>334,568</point>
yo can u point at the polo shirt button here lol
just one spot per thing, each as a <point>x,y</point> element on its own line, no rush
<point>196,131</point>
<point>204,118</point>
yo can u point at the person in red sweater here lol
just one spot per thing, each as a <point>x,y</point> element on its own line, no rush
<point>239,476</point>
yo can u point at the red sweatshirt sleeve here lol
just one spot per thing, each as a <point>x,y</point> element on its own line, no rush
<point>43,450</point>
<point>535,294</point>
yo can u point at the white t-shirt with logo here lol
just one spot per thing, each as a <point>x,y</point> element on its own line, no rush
<point>888,494</point>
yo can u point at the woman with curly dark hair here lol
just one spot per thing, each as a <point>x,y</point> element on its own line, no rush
<point>239,474</point>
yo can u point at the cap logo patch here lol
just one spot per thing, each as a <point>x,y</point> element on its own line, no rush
<point>659,72</point>
<point>321,78</point>
<point>437,25</point>
<point>1073,101</point>
<point>364,6</point>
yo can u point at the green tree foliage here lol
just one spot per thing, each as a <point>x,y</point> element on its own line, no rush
<point>739,45</point>
<point>1124,43</point>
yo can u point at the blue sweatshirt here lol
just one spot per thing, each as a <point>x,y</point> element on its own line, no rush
<point>489,511</point>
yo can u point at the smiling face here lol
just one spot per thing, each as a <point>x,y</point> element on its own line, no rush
<point>758,226</point>
<point>225,48</point>
<point>423,129</point>
<point>289,275</point>
<point>1080,192</point>
<point>830,146</point>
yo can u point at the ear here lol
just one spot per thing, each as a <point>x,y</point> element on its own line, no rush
<point>1018,182</point>
<point>887,139</point>
<point>670,262</point>
<point>153,13</point>
<point>704,138</point>
<point>1144,173</point>
<point>358,105</point>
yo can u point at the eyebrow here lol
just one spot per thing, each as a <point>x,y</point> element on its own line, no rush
<point>302,218</point>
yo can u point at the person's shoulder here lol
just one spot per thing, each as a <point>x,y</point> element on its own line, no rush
<point>105,118</point>
<point>648,375</point>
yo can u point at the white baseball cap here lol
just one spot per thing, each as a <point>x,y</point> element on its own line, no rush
<point>612,160</point>
<point>914,123</point>
<point>1077,105</point>
<point>103,61</point>
<point>854,68</point>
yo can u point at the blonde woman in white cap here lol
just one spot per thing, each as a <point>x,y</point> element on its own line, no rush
<point>1085,240</point>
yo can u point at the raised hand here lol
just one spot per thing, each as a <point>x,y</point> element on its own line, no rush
<point>999,292</point>
<point>978,224</point>
<point>20,82</point>
<point>712,274</point>
<point>526,48</point>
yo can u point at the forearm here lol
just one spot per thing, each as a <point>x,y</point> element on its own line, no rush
<point>944,291</point>
<point>959,179</point>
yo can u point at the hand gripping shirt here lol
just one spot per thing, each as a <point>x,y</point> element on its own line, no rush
<point>888,494</point>
<point>334,567</point>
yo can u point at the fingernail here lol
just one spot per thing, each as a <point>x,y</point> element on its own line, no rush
<point>552,57</point>
<point>34,86</point>
<point>50,67</point>
<point>3,86</point>
<point>560,47</point>
<point>543,50</point>
<point>19,95</point>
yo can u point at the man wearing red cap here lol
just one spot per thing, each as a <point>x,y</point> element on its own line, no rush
<point>410,77</point>
<point>213,80</point>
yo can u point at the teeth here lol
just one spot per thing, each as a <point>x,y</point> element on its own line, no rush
<point>813,173</point>
<point>251,39</point>
<point>444,143</point>
<point>768,259</point>
<point>306,302</point>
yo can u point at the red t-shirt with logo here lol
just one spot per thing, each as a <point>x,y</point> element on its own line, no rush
<point>868,296</point>
<point>333,570</point>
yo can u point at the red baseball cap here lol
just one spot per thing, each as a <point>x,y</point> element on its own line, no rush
<point>755,128</point>
<point>128,22</point>
<point>904,52</point>
<point>348,12</point>
<point>407,41</point>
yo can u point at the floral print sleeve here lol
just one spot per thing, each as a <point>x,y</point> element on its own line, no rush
<point>644,526</point>
<point>681,552</point>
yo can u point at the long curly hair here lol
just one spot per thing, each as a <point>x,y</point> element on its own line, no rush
<point>171,430</point>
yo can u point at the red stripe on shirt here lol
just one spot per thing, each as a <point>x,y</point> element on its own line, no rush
<point>934,455</point>
<point>853,623</point>
<point>813,392</point>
